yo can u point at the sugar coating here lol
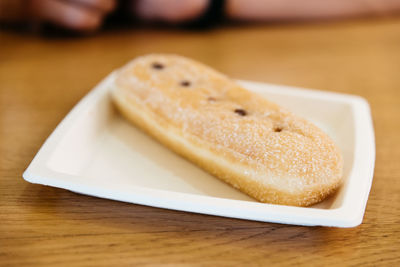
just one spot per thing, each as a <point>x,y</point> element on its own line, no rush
<point>275,147</point>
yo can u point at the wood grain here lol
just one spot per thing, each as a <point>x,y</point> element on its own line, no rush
<point>41,79</point>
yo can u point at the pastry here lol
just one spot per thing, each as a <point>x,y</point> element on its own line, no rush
<point>236,135</point>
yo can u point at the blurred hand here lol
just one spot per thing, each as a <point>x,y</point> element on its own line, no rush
<point>172,11</point>
<point>81,15</point>
<point>295,10</point>
<point>88,15</point>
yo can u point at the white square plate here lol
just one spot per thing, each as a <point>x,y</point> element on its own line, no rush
<point>96,152</point>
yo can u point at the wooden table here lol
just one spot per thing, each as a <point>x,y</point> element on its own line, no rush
<point>41,79</point>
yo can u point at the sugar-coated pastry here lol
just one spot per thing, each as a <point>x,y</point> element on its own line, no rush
<point>238,136</point>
